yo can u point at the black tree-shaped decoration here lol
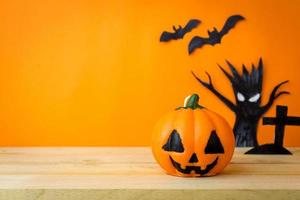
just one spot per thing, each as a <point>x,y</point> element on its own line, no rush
<point>247,88</point>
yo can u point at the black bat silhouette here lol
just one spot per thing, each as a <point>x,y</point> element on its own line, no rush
<point>215,36</point>
<point>180,32</point>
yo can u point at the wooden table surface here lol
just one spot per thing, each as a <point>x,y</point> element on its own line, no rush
<point>130,173</point>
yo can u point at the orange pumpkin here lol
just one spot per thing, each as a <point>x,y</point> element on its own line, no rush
<point>193,141</point>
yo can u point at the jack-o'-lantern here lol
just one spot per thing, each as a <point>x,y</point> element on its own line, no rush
<point>193,141</point>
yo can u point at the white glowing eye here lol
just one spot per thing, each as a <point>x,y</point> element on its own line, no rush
<point>240,97</point>
<point>254,98</point>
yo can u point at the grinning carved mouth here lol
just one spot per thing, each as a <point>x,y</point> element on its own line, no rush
<point>196,169</point>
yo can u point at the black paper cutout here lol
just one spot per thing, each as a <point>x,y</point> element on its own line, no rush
<point>196,169</point>
<point>280,121</point>
<point>180,32</point>
<point>193,158</point>
<point>174,143</point>
<point>214,144</point>
<point>269,149</point>
<point>215,36</point>
<point>248,110</point>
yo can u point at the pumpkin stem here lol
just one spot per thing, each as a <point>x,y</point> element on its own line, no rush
<point>192,102</point>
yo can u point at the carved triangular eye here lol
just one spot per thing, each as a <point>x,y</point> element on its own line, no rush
<point>174,143</point>
<point>214,144</point>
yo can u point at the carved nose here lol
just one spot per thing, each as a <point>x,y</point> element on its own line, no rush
<point>193,158</point>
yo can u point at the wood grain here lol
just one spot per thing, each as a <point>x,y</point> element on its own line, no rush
<point>131,173</point>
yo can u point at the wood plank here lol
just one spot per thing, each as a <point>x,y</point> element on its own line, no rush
<point>73,194</point>
<point>120,173</point>
<point>118,155</point>
<point>137,169</point>
<point>158,182</point>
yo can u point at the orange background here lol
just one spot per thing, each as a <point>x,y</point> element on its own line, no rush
<point>93,72</point>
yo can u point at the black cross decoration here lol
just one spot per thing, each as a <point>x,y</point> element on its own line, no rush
<point>280,121</point>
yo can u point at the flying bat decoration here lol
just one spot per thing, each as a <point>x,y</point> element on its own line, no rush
<point>179,32</point>
<point>215,36</point>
